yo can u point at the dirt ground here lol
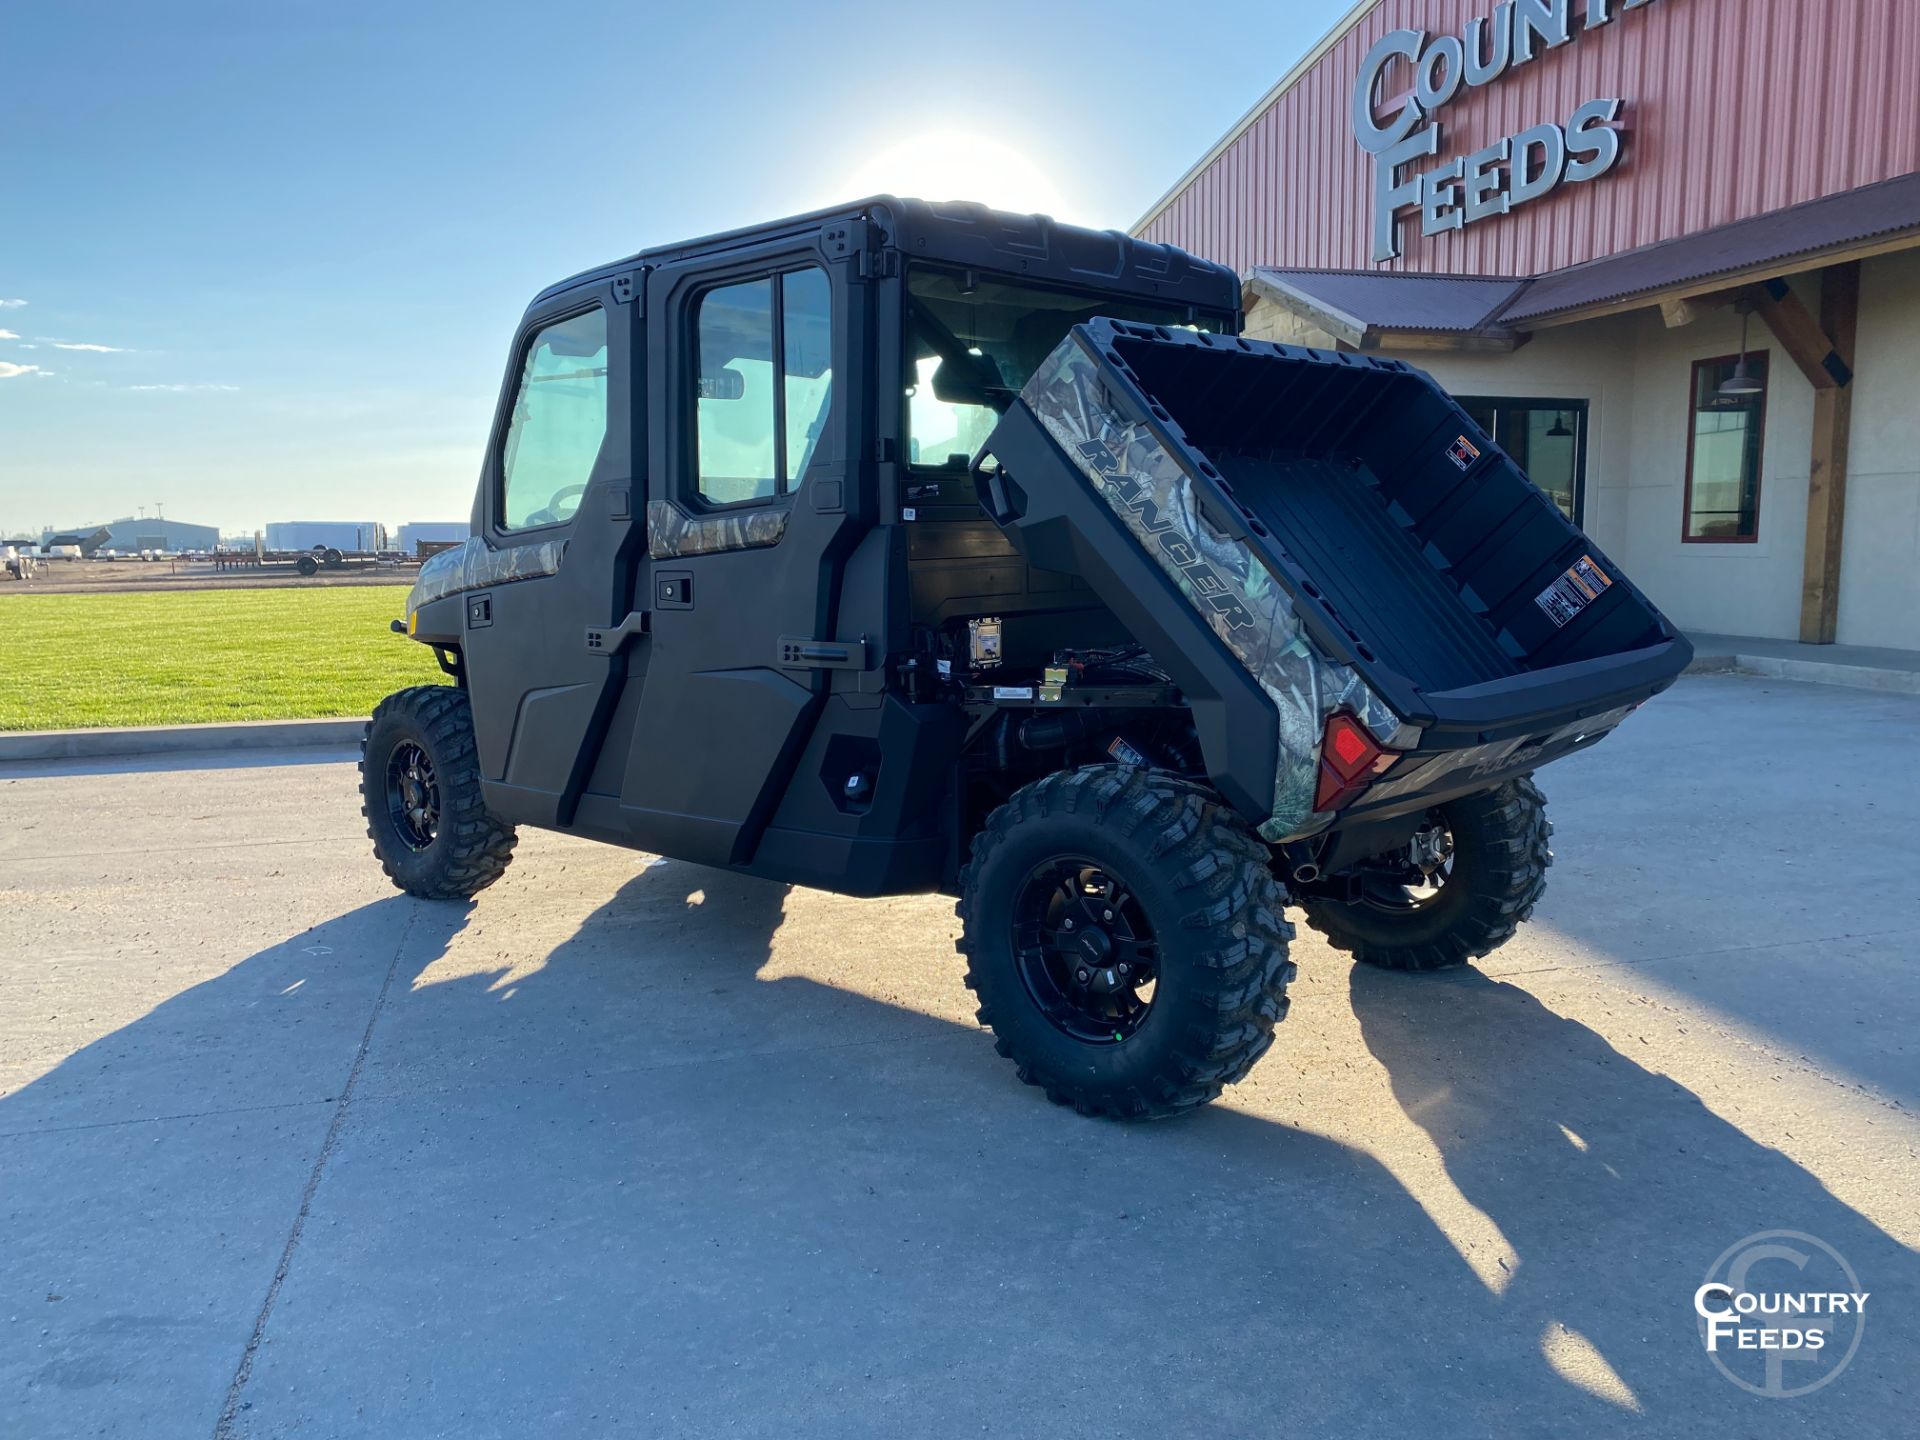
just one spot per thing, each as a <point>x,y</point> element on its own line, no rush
<point>94,577</point>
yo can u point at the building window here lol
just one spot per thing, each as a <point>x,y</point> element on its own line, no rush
<point>1546,438</point>
<point>1723,452</point>
<point>764,385</point>
<point>559,420</point>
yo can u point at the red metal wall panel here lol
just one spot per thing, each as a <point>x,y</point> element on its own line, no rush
<point>1733,108</point>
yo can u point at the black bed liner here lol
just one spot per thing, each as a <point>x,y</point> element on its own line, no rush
<point>1411,547</point>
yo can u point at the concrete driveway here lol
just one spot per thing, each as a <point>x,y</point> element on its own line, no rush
<point>629,1147</point>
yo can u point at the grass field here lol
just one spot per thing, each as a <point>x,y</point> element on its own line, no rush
<point>72,661</point>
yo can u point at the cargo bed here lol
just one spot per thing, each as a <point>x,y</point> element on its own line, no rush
<point>1409,551</point>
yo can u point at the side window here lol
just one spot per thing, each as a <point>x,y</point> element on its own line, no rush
<point>559,420</point>
<point>763,361</point>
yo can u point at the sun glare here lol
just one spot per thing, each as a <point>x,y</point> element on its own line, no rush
<point>956,165</point>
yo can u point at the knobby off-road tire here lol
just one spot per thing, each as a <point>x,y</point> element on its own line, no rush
<point>1500,860</point>
<point>1194,875</point>
<point>458,850</point>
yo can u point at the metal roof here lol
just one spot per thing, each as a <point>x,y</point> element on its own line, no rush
<point>1362,300</point>
<point>1355,303</point>
<point>1887,208</point>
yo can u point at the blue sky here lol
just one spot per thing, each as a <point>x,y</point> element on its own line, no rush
<point>305,230</point>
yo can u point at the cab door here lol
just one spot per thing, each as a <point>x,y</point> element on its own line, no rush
<point>557,543</point>
<point>753,503</point>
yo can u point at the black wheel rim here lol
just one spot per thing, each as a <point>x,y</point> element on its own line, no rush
<point>1085,950</point>
<point>413,795</point>
<point>1420,873</point>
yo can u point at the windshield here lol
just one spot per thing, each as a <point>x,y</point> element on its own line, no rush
<point>973,342</point>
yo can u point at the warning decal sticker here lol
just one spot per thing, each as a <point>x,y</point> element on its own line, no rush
<point>1463,452</point>
<point>1576,588</point>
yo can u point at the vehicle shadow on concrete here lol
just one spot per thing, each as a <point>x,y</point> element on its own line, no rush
<point>150,1180</point>
<point>1615,1191</point>
<point>648,1179</point>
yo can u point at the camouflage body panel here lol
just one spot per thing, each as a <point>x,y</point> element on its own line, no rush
<point>672,533</point>
<point>1243,604</point>
<point>474,564</point>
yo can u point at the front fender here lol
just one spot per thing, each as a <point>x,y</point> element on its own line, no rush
<point>438,622</point>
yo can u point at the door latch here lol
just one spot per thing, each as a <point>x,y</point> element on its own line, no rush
<point>800,653</point>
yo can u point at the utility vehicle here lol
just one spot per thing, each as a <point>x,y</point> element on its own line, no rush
<point>918,547</point>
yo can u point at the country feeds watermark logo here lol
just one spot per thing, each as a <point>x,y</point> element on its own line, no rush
<point>1781,1314</point>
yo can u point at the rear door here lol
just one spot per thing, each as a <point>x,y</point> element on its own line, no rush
<point>752,507</point>
<point>557,514</point>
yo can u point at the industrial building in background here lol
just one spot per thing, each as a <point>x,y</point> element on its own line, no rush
<point>133,536</point>
<point>408,537</point>
<point>1667,251</point>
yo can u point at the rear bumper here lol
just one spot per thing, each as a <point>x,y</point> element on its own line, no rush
<point>1434,775</point>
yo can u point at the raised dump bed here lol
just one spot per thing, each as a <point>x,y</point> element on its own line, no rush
<point>1342,506</point>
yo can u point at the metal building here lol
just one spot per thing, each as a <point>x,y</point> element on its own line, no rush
<point>434,531</point>
<point>1668,249</point>
<point>130,536</point>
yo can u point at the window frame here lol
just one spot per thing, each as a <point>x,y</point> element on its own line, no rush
<point>784,488</point>
<point>1759,454</point>
<point>1221,319</point>
<point>497,527</point>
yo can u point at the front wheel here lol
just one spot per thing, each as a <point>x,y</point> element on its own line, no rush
<point>1473,871</point>
<point>1126,940</point>
<point>420,794</point>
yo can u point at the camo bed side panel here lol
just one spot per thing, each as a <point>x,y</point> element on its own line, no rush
<point>474,564</point>
<point>1146,487</point>
<point>673,534</point>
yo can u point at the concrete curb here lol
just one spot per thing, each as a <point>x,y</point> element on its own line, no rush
<point>174,739</point>
<point>1819,672</point>
<point>1809,672</point>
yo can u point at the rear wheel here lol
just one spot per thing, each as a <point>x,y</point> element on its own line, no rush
<point>1473,872</point>
<point>1126,940</point>
<point>420,794</point>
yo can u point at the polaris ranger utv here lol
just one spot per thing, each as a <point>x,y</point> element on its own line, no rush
<point>911,547</point>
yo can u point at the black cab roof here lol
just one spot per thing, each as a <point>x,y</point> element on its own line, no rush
<point>1035,247</point>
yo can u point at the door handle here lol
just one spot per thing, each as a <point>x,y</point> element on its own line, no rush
<point>607,640</point>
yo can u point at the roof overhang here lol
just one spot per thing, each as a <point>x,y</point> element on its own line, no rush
<point>1362,310</point>
<point>1371,310</point>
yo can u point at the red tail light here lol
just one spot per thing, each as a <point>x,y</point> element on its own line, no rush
<point>1350,758</point>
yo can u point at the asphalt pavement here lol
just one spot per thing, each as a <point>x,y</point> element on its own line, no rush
<point>631,1147</point>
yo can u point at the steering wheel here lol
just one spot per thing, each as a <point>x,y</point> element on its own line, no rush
<point>549,514</point>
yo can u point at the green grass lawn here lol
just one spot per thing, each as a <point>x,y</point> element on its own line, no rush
<point>68,661</point>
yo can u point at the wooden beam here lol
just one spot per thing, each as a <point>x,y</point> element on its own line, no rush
<point>1827,477</point>
<point>1678,310</point>
<point>1805,339</point>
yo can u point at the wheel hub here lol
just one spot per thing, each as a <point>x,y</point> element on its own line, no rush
<point>413,795</point>
<point>1086,951</point>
